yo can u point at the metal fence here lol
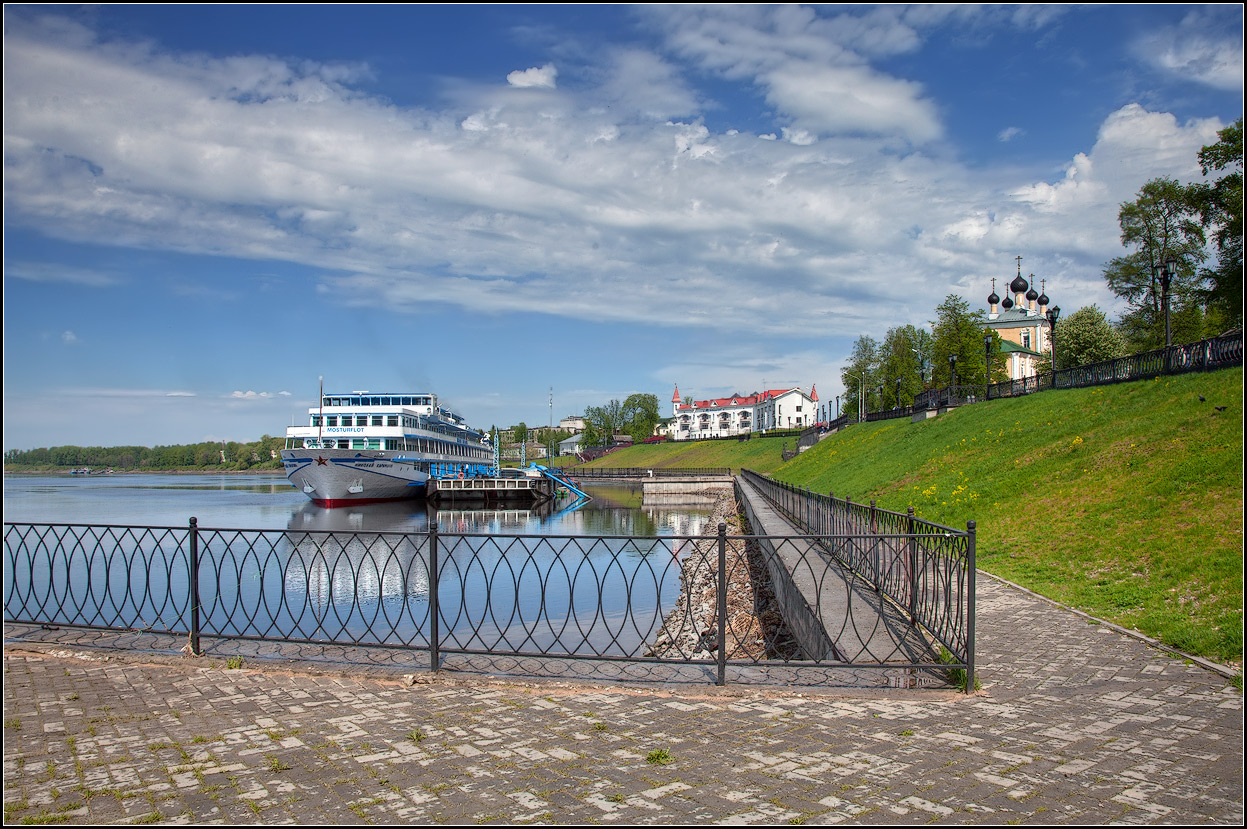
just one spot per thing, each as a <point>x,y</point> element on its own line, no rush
<point>703,601</point>
<point>925,570</point>
<point>1206,355</point>
<point>590,473</point>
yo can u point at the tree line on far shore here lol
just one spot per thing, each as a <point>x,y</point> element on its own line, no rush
<point>224,456</point>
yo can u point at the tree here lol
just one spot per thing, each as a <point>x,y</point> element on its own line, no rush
<point>1220,207</point>
<point>1086,336</point>
<point>860,375</point>
<point>958,331</point>
<point>602,423</point>
<point>898,361</point>
<point>640,416</point>
<point>1159,224</point>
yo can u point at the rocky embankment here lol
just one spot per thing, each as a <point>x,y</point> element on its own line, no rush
<point>755,627</point>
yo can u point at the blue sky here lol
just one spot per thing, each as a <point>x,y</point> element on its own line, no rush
<point>209,207</point>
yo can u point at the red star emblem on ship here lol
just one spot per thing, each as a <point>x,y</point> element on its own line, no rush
<point>321,461</point>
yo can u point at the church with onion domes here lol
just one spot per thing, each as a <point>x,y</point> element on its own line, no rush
<point>1020,320</point>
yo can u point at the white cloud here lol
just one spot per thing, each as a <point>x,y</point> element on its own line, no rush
<point>69,337</point>
<point>548,203</point>
<point>1190,51</point>
<point>1010,133</point>
<point>544,77</point>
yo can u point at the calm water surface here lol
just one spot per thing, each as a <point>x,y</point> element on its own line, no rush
<point>269,502</point>
<point>613,594</point>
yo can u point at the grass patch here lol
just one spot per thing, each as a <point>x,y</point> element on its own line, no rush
<point>659,757</point>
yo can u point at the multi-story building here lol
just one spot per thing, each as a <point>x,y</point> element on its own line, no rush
<point>1022,325</point>
<point>743,413</point>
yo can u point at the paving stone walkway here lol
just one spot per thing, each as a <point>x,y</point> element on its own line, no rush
<point>1076,723</point>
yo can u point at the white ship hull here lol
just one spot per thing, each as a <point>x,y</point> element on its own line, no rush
<point>337,477</point>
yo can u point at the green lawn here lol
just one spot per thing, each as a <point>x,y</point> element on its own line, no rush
<point>1124,501</point>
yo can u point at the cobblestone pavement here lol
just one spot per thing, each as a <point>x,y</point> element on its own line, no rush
<point>1076,723</point>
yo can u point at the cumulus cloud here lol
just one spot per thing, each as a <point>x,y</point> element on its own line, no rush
<point>544,77</point>
<point>504,202</point>
<point>69,337</point>
<point>1010,133</point>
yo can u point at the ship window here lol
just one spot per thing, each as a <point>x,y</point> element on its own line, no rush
<point>357,443</point>
<point>391,420</point>
<point>332,420</point>
<point>315,420</point>
<point>374,443</point>
<point>376,420</point>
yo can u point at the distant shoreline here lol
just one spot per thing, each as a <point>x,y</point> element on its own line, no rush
<point>68,472</point>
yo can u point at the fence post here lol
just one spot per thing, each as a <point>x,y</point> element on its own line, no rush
<point>435,656</point>
<point>971,574</point>
<point>194,586</point>
<point>722,599</point>
<point>913,569</point>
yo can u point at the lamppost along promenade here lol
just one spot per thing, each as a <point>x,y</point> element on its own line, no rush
<point>1053,315</point>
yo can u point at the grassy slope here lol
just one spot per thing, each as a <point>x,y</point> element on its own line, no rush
<point>1124,501</point>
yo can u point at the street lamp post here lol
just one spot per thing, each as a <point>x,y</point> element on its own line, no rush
<point>952,373</point>
<point>987,347</point>
<point>837,407</point>
<point>1165,273</point>
<point>1053,315</point>
<point>898,392</point>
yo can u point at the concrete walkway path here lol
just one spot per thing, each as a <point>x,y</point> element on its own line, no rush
<point>1076,723</point>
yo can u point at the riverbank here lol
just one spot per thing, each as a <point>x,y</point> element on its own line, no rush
<point>755,627</point>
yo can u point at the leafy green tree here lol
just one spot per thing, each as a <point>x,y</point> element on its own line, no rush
<point>958,331</point>
<point>1160,224</point>
<point>900,359</point>
<point>861,376</point>
<point>640,416</point>
<point>602,423</point>
<point>1220,206</point>
<point>520,433</point>
<point>1086,336</point>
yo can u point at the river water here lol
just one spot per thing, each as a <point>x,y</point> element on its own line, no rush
<point>554,588</point>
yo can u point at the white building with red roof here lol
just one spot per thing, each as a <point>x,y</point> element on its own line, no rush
<point>740,414</point>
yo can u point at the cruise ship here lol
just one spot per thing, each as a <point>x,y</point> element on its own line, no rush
<point>364,447</point>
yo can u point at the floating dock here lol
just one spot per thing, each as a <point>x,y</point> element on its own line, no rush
<point>509,489</point>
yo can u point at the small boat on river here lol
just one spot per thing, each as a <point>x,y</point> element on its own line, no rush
<point>364,447</point>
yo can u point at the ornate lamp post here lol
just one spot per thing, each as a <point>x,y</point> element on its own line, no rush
<point>837,407</point>
<point>898,392</point>
<point>952,373</point>
<point>1053,315</point>
<point>880,397</point>
<point>1165,274</point>
<point>987,347</point>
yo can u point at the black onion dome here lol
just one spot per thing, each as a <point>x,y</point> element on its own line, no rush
<point>1007,304</point>
<point>992,299</point>
<point>1018,285</point>
<point>1043,299</point>
<point>1032,295</point>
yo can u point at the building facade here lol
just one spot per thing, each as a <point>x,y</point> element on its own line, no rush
<point>743,413</point>
<point>1022,325</point>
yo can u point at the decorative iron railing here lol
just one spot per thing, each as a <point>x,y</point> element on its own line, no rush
<point>1219,352</point>
<point>925,570</point>
<point>648,472</point>
<point>684,600</point>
